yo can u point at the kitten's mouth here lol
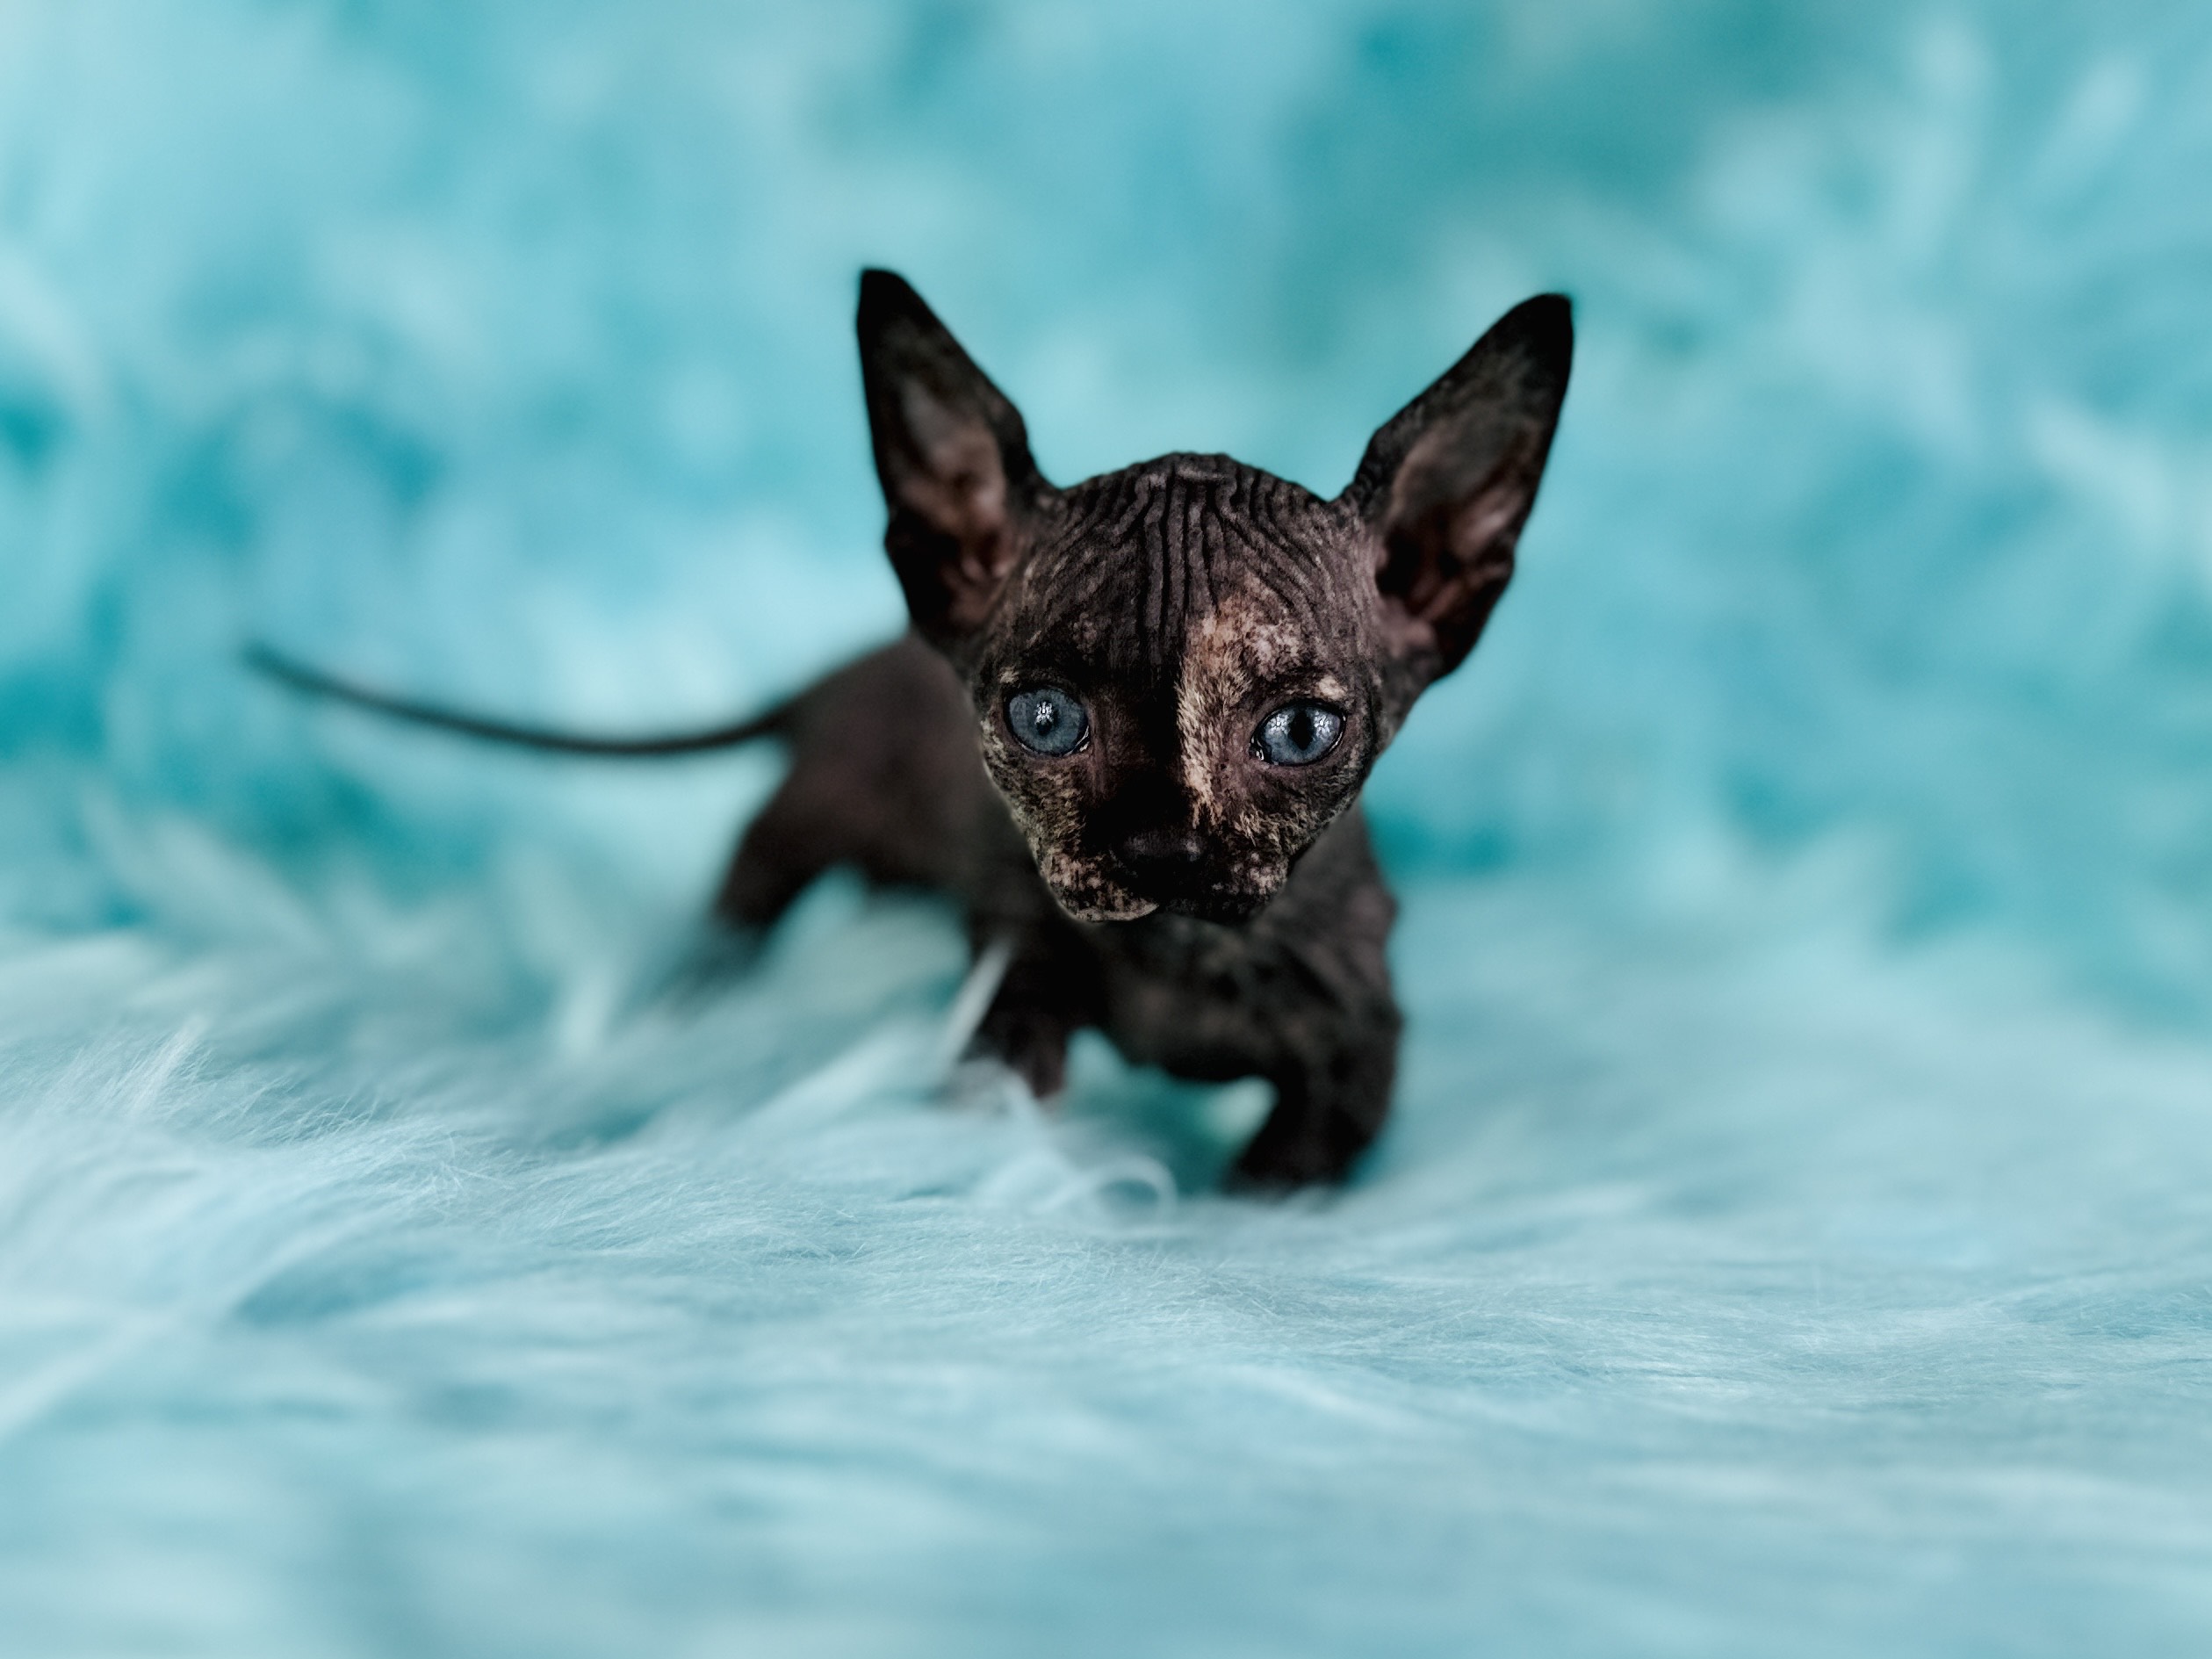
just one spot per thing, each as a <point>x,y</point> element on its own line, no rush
<point>1100,890</point>
<point>1088,893</point>
<point>1095,906</point>
<point>1224,909</point>
<point>1186,888</point>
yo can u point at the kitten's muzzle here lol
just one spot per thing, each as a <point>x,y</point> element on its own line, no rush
<point>1174,870</point>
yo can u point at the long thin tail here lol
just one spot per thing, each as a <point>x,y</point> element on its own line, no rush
<point>314,681</point>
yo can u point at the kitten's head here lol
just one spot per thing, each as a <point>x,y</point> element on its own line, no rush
<point>1183,670</point>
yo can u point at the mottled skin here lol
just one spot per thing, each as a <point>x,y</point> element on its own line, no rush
<point>1213,913</point>
<point>1298,993</point>
<point>1213,910</point>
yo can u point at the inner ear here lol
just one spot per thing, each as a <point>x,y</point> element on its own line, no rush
<point>953,456</point>
<point>1447,483</point>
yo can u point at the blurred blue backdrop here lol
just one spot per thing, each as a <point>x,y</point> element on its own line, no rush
<point>502,352</point>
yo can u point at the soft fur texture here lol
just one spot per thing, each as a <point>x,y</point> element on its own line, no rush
<point>1794,1231</point>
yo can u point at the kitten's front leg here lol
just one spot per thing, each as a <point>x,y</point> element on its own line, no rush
<point>1049,993</point>
<point>1332,1092</point>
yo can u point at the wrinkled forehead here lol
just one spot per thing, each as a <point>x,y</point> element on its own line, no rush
<point>1138,568</point>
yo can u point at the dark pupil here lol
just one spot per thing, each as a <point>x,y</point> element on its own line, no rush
<point>1044,715</point>
<point>1300,731</point>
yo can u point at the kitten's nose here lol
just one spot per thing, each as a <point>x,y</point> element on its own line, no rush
<point>1163,858</point>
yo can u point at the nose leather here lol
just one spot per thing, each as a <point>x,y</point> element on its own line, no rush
<point>1161,849</point>
<point>1164,864</point>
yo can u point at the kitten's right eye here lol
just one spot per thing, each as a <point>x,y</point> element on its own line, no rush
<point>1046,720</point>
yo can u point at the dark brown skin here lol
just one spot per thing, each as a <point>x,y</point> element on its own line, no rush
<point>1173,852</point>
<point>885,777</point>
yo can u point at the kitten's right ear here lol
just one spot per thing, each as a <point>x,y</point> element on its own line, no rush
<point>953,456</point>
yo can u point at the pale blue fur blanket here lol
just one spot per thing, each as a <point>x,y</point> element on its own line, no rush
<point>1796,1236</point>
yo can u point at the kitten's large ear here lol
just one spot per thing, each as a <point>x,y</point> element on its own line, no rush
<point>1449,480</point>
<point>952,454</point>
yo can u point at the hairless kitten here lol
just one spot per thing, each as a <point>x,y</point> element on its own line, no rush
<point>1128,727</point>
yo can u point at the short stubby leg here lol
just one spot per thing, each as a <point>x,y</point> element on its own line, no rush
<point>1045,998</point>
<point>1330,1100</point>
<point>782,852</point>
<point>794,838</point>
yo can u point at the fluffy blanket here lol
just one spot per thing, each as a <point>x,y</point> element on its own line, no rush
<point>1797,1230</point>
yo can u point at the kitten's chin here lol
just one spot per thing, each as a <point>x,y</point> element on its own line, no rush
<point>1224,909</point>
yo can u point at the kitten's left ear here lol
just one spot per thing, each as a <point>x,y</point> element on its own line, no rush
<point>953,456</point>
<point>1448,482</point>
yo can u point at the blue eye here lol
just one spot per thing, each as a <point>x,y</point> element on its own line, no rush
<point>1297,734</point>
<point>1047,720</point>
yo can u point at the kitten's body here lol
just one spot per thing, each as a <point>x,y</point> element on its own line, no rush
<point>1130,727</point>
<point>1299,994</point>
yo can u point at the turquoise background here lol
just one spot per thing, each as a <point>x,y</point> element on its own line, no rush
<point>1795,1236</point>
<point>503,351</point>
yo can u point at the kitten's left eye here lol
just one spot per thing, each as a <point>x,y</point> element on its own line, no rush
<point>1297,734</point>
